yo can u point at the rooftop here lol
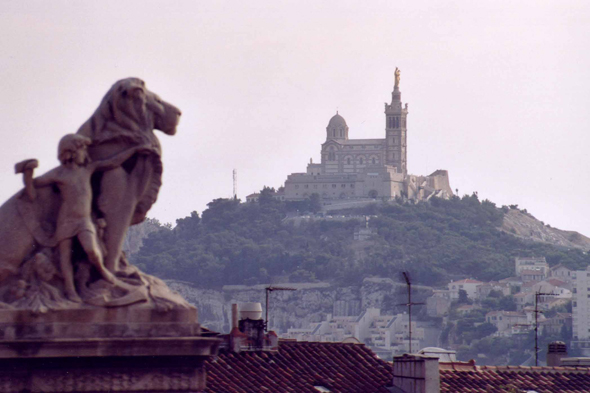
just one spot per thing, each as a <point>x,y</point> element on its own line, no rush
<point>364,141</point>
<point>337,121</point>
<point>300,367</point>
<point>531,272</point>
<point>467,281</point>
<point>556,282</point>
<point>463,377</point>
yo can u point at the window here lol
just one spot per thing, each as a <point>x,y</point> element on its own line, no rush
<point>361,160</point>
<point>343,185</point>
<point>333,185</point>
<point>306,186</point>
<point>352,186</point>
<point>348,160</point>
<point>374,161</point>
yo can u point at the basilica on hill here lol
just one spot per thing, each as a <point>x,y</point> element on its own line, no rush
<point>367,168</point>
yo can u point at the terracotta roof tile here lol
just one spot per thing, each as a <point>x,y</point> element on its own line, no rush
<point>298,367</point>
<point>467,281</point>
<point>463,377</point>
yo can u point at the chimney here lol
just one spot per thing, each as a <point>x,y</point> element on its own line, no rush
<point>234,316</point>
<point>247,333</point>
<point>416,374</point>
<point>556,351</point>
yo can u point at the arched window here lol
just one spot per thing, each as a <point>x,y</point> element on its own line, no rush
<point>331,156</point>
<point>374,161</point>
<point>348,160</point>
<point>361,160</point>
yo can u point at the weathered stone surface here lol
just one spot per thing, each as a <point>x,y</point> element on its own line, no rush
<point>98,322</point>
<point>75,316</point>
<point>104,374</point>
<point>297,309</point>
<point>61,236</point>
<point>526,226</point>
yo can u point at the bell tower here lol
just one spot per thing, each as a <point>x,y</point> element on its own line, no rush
<point>395,129</point>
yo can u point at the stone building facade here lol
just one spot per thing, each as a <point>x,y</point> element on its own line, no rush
<point>367,168</point>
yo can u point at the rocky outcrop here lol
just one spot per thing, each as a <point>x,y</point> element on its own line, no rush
<point>525,226</point>
<point>311,302</point>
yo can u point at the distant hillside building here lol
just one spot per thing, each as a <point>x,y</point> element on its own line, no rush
<point>581,311</point>
<point>367,168</point>
<point>531,268</point>
<point>468,285</point>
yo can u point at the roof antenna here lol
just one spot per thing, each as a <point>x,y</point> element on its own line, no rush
<point>268,290</point>
<point>409,304</point>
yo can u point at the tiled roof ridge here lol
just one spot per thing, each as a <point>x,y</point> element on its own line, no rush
<point>541,369</point>
<point>470,366</point>
<point>468,281</point>
<point>325,343</point>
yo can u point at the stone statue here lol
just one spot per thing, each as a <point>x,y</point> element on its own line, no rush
<point>74,220</point>
<point>397,77</point>
<point>75,216</point>
<point>126,117</point>
<point>74,313</point>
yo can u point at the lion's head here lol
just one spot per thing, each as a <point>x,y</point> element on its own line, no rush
<point>129,112</point>
<point>126,117</point>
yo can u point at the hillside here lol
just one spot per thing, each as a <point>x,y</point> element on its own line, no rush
<point>527,227</point>
<point>235,243</point>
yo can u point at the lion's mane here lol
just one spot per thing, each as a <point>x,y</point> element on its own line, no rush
<point>123,118</point>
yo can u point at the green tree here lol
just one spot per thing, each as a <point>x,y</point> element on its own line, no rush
<point>463,298</point>
<point>315,203</point>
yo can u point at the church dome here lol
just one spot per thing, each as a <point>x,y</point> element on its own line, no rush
<point>337,121</point>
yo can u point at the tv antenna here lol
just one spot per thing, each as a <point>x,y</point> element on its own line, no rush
<point>538,294</point>
<point>409,304</point>
<point>235,176</point>
<point>268,290</point>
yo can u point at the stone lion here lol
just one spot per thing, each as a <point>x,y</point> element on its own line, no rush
<point>125,118</point>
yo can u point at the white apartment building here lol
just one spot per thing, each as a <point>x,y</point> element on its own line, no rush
<point>468,285</point>
<point>382,333</point>
<point>581,310</point>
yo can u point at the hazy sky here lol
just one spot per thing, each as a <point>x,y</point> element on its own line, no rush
<point>498,91</point>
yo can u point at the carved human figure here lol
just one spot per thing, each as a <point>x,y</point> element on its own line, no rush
<point>74,220</point>
<point>397,76</point>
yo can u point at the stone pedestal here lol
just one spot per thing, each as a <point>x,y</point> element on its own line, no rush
<point>105,365</point>
<point>133,349</point>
